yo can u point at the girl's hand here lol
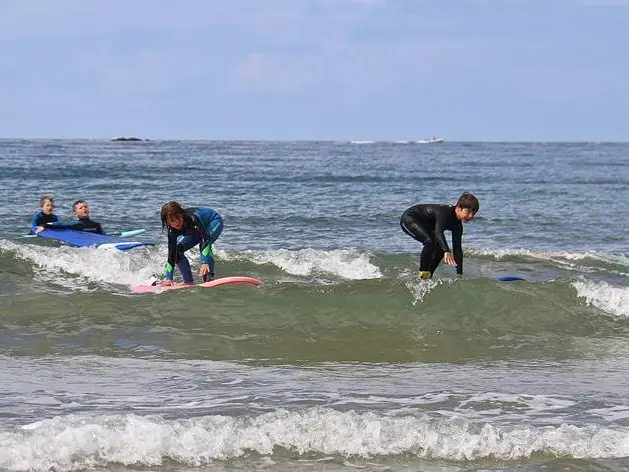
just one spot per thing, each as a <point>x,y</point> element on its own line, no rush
<point>205,269</point>
<point>39,229</point>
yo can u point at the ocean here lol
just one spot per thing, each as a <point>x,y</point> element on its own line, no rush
<point>342,360</point>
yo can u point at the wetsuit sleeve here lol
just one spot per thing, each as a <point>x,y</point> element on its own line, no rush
<point>210,220</point>
<point>207,256</point>
<point>172,253</point>
<point>457,236</point>
<point>35,222</point>
<point>57,225</point>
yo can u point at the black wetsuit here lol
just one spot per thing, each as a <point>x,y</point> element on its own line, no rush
<point>426,223</point>
<point>81,224</point>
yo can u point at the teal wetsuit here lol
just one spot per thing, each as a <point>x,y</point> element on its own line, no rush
<point>41,219</point>
<point>201,226</point>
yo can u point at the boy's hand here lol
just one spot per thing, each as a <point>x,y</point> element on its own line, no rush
<point>39,229</point>
<point>449,259</point>
<point>167,283</point>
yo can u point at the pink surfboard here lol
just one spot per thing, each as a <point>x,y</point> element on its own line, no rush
<point>212,283</point>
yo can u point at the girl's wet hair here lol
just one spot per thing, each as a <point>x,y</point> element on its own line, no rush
<point>171,209</point>
<point>45,198</point>
<point>469,201</point>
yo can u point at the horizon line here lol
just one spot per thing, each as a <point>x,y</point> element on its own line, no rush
<point>138,140</point>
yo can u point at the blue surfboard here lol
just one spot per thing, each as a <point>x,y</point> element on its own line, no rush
<point>86,239</point>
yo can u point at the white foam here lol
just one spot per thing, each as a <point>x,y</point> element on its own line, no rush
<point>74,267</point>
<point>560,257</point>
<point>574,261</point>
<point>612,414</point>
<point>502,253</point>
<point>613,300</point>
<point>419,288</point>
<point>345,263</point>
<point>74,442</point>
<point>516,407</point>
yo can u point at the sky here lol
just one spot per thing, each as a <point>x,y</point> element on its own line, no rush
<point>465,70</point>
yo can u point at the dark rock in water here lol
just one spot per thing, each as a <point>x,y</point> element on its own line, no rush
<point>127,138</point>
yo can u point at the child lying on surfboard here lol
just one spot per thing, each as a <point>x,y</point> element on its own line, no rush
<point>83,222</point>
<point>44,215</point>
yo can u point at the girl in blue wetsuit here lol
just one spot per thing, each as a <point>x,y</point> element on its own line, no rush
<point>44,215</point>
<point>187,228</point>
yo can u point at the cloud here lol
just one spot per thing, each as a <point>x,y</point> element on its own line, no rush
<point>91,18</point>
<point>71,18</point>
<point>305,54</point>
<point>604,3</point>
<point>250,67</point>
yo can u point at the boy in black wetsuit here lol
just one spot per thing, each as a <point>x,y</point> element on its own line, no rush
<point>427,222</point>
<point>83,223</point>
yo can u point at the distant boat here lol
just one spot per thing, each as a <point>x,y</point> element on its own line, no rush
<point>127,138</point>
<point>432,140</point>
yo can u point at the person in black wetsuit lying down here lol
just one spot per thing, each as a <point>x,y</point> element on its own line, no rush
<point>427,222</point>
<point>82,223</point>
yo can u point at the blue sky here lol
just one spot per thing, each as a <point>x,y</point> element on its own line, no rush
<point>315,69</point>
